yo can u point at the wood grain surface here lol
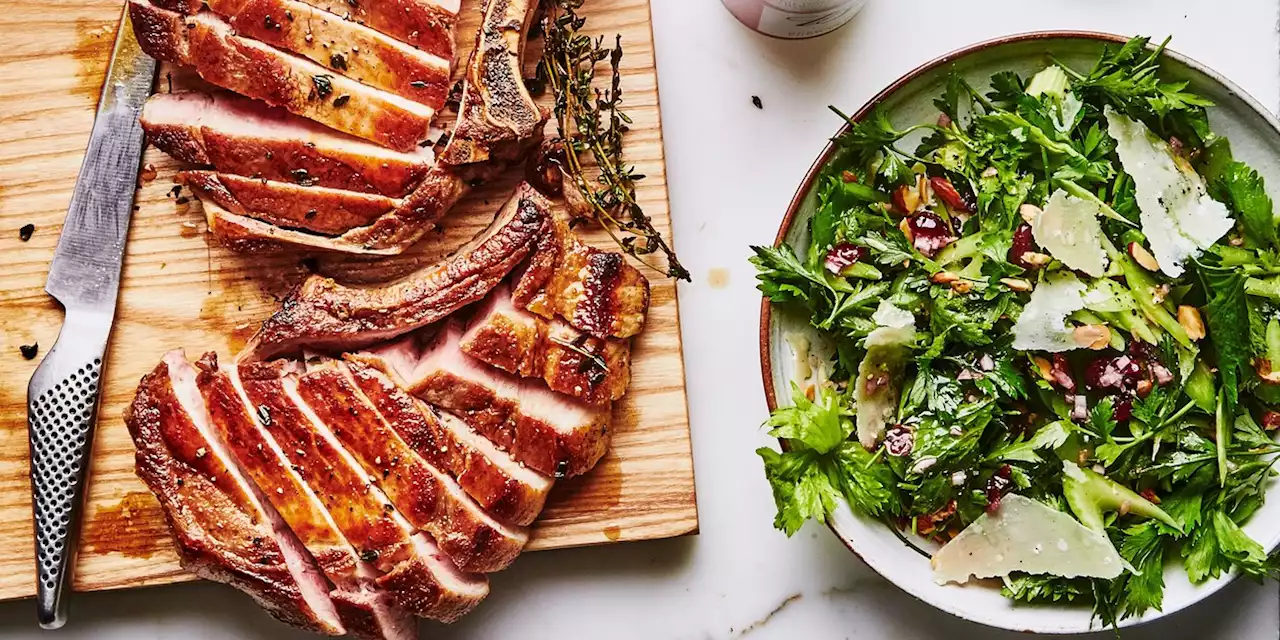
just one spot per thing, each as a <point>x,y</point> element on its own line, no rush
<point>180,291</point>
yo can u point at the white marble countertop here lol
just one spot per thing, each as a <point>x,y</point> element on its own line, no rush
<point>732,170</point>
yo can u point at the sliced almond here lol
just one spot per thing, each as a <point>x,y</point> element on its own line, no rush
<point>924,189</point>
<point>1093,336</point>
<point>1189,318</point>
<point>1160,294</point>
<point>906,200</point>
<point>1029,212</point>
<point>1263,367</point>
<point>1043,368</point>
<point>1143,257</point>
<point>1036,259</point>
<point>1017,284</point>
<point>944,277</point>
<point>962,286</point>
<point>1144,388</point>
<point>906,231</point>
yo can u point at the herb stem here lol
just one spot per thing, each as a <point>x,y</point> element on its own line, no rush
<point>590,121</point>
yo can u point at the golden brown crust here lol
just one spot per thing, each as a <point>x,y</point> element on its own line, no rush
<point>240,136</point>
<point>221,532</point>
<point>367,521</point>
<point>181,142</point>
<point>414,589</point>
<point>497,116</point>
<point>253,69</point>
<point>550,433</point>
<point>533,440</point>
<point>425,24</point>
<point>318,209</point>
<point>595,291</point>
<point>285,160</point>
<point>347,47</point>
<point>389,234</point>
<point>247,235</point>
<point>418,213</point>
<point>529,346</point>
<point>417,489</point>
<point>323,315</point>
<point>509,494</point>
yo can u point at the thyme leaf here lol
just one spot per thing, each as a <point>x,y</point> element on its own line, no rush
<point>582,351</point>
<point>591,123</point>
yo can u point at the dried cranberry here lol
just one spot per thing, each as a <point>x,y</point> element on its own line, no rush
<point>1023,243</point>
<point>1000,482</point>
<point>1123,409</point>
<point>929,233</point>
<point>1113,376</point>
<point>947,192</point>
<point>1141,350</point>
<point>848,176</point>
<point>842,256</point>
<point>1271,420</point>
<point>899,440</point>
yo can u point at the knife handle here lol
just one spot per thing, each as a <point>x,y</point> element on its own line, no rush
<point>62,408</point>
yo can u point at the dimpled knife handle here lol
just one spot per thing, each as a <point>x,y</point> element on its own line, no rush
<point>62,407</point>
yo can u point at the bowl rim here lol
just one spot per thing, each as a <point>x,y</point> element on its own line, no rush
<point>811,176</point>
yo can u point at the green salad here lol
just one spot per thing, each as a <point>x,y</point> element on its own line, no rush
<point>1053,325</point>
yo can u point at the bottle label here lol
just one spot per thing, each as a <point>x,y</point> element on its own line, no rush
<point>806,18</point>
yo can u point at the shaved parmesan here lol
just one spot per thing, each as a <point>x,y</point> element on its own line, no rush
<point>1027,536</point>
<point>879,382</point>
<point>1178,217</point>
<point>1069,230</point>
<point>1043,323</point>
<point>888,315</point>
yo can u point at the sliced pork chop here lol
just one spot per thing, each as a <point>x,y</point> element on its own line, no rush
<point>497,116</point>
<point>594,291</point>
<point>418,213</point>
<point>325,316</point>
<point>226,530</point>
<point>570,362</point>
<point>365,608</point>
<point>318,209</point>
<point>548,432</point>
<point>413,570</point>
<point>390,234</point>
<point>250,235</point>
<point>345,46</point>
<point>509,490</point>
<point>245,137</point>
<point>425,24</point>
<point>248,67</point>
<point>428,498</point>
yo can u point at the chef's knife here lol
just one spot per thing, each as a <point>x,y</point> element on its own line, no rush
<point>62,398</point>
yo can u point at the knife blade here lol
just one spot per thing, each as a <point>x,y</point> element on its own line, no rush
<point>62,397</point>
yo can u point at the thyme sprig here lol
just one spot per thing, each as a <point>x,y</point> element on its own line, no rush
<point>591,123</point>
<point>574,346</point>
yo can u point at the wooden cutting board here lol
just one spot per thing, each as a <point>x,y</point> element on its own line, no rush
<point>180,291</point>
